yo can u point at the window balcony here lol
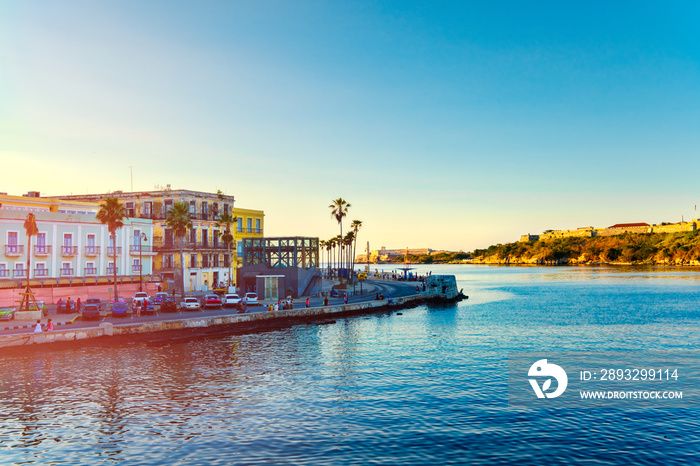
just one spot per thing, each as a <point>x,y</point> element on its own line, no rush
<point>69,250</point>
<point>92,250</point>
<point>41,272</point>
<point>110,270</point>
<point>136,249</point>
<point>90,270</point>
<point>110,250</point>
<point>18,273</point>
<point>66,272</point>
<point>42,249</point>
<point>135,268</point>
<point>14,249</point>
<point>4,273</point>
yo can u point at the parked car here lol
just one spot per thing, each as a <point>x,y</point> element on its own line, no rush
<point>159,297</point>
<point>148,307</point>
<point>231,300</point>
<point>139,297</point>
<point>212,300</point>
<point>7,314</point>
<point>119,309</point>
<point>251,299</point>
<point>190,304</point>
<point>94,301</point>
<point>168,305</point>
<point>91,311</point>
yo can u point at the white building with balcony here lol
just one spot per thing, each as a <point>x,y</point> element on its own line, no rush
<point>72,247</point>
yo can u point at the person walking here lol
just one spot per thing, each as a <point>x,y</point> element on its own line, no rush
<point>325,300</point>
<point>345,298</point>
<point>49,326</point>
<point>77,305</point>
<point>307,302</point>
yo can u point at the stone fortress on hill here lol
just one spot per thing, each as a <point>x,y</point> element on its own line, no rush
<point>617,229</point>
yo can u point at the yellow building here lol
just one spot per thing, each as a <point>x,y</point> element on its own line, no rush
<point>207,262</point>
<point>249,224</point>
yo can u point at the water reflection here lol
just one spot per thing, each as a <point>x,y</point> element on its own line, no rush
<point>418,388</point>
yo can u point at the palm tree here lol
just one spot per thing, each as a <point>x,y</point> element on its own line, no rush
<point>321,247</point>
<point>347,241</point>
<point>112,213</point>
<point>355,225</point>
<point>224,222</point>
<point>178,219</point>
<point>339,209</point>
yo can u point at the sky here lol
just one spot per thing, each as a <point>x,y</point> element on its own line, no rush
<point>445,124</point>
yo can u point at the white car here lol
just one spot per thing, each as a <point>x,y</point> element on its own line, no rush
<point>190,304</point>
<point>231,299</point>
<point>140,297</point>
<point>251,299</point>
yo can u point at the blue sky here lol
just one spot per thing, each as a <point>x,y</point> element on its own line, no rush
<point>450,125</point>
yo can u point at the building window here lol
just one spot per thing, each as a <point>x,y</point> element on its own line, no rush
<point>4,271</point>
<point>41,247</point>
<point>216,260</point>
<point>168,261</point>
<point>110,268</point>
<point>129,206</point>
<point>136,266</point>
<point>249,222</point>
<point>40,270</point>
<point>239,248</point>
<point>167,205</point>
<point>67,244</point>
<point>90,268</point>
<point>226,209</point>
<point>215,238</point>
<point>205,210</point>
<point>66,269</point>
<point>193,236</point>
<point>257,226</point>
<point>12,246</point>
<point>193,261</point>
<point>19,270</point>
<point>147,209</point>
<point>240,224</point>
<point>205,237</point>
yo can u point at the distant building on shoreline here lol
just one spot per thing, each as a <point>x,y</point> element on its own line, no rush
<point>385,254</point>
<point>617,229</point>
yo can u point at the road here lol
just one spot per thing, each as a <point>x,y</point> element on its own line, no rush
<point>370,287</point>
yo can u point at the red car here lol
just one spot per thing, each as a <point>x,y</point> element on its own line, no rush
<point>212,300</point>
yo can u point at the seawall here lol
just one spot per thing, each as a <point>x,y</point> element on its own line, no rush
<point>193,326</point>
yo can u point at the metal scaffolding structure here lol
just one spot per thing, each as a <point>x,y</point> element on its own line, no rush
<point>281,252</point>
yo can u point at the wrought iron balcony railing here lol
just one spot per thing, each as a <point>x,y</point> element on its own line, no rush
<point>14,249</point>
<point>92,250</point>
<point>69,250</point>
<point>42,249</point>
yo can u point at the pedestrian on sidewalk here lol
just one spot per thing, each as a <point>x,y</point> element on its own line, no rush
<point>49,326</point>
<point>325,300</point>
<point>77,305</point>
<point>37,328</point>
<point>307,302</point>
<point>345,298</point>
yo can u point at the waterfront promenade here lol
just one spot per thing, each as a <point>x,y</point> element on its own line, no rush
<point>71,326</point>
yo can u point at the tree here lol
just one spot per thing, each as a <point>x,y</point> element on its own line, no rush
<point>112,213</point>
<point>178,219</point>
<point>347,241</point>
<point>224,223</point>
<point>355,225</point>
<point>31,229</point>
<point>339,209</point>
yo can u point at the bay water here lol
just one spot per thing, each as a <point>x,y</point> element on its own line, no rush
<point>426,385</point>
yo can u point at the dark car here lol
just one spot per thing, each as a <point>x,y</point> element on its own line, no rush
<point>168,305</point>
<point>119,308</point>
<point>91,311</point>
<point>94,301</point>
<point>148,307</point>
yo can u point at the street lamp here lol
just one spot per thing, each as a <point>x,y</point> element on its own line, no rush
<point>142,237</point>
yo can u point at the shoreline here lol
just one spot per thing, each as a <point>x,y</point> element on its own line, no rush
<point>166,331</point>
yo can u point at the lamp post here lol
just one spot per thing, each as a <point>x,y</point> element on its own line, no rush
<point>142,237</point>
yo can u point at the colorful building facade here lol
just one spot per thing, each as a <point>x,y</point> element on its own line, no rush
<point>71,247</point>
<point>207,263</point>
